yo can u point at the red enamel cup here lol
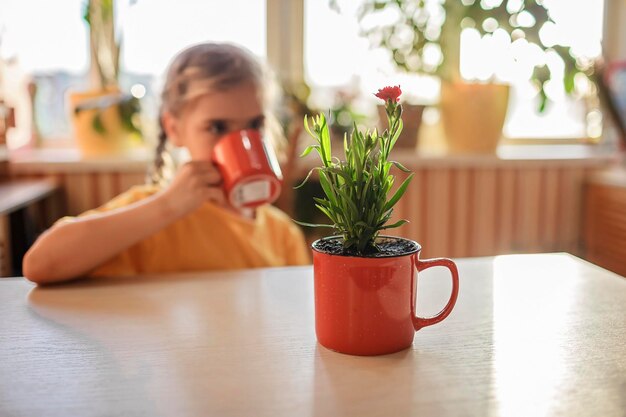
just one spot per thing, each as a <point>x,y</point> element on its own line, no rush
<point>250,172</point>
<point>367,306</point>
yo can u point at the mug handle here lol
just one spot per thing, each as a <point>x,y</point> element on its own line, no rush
<point>420,265</point>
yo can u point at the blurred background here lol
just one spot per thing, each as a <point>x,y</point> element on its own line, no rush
<point>514,109</point>
<point>48,43</point>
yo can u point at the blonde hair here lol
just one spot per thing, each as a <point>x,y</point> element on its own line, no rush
<point>200,70</point>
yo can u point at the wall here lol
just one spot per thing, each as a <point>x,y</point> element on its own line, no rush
<point>477,211</point>
<point>457,206</point>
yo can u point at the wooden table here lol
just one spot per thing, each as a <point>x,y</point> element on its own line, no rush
<point>531,335</point>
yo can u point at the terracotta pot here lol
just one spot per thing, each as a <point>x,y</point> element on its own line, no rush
<point>411,119</point>
<point>250,172</point>
<point>366,306</point>
<point>473,115</point>
<point>84,107</point>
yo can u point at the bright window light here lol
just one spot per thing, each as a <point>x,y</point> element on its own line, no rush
<point>336,56</point>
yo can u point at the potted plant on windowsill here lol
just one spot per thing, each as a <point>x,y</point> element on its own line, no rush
<point>105,120</point>
<point>365,283</point>
<point>473,113</point>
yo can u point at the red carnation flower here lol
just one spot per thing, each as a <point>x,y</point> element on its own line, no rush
<point>389,93</point>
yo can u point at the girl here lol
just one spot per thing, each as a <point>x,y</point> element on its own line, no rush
<point>210,90</point>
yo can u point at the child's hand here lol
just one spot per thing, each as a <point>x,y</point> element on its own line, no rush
<point>195,183</point>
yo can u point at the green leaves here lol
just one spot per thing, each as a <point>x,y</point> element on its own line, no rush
<point>417,26</point>
<point>356,188</point>
<point>389,205</point>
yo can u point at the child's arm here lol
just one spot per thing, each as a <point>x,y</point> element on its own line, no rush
<point>72,249</point>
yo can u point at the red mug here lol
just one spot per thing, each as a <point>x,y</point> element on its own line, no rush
<point>366,306</point>
<point>250,172</point>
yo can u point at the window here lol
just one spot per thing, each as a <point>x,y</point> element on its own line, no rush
<point>337,57</point>
<point>48,40</point>
<point>44,36</point>
<point>155,30</point>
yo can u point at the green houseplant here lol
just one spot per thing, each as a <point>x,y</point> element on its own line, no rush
<point>364,282</point>
<point>421,26</point>
<point>105,120</point>
<point>356,189</point>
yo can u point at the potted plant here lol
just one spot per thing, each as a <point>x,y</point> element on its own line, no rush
<point>365,283</point>
<point>473,114</point>
<point>106,121</point>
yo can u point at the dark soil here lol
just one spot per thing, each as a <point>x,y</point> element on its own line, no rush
<point>387,246</point>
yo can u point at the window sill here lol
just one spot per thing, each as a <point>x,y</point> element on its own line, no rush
<point>516,153</point>
<point>69,160</point>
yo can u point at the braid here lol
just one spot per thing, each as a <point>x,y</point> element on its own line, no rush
<point>156,175</point>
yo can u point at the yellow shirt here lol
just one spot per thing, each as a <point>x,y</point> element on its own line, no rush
<point>210,238</point>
